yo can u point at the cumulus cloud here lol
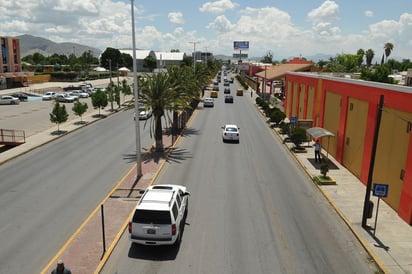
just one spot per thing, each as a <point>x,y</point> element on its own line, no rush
<point>176,17</point>
<point>218,6</point>
<point>327,12</point>
<point>221,24</point>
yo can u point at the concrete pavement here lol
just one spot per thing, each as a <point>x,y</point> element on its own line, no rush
<point>390,245</point>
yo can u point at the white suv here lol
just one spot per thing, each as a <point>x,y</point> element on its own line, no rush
<point>159,215</point>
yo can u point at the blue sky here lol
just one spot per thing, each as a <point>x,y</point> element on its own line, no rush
<point>286,28</point>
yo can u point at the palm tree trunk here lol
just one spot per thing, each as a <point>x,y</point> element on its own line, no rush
<point>174,126</point>
<point>158,133</point>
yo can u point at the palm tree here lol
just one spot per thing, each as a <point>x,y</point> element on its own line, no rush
<point>161,92</point>
<point>388,49</point>
<point>360,53</point>
<point>369,54</point>
<point>189,88</point>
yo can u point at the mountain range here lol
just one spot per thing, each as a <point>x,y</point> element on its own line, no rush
<point>30,44</point>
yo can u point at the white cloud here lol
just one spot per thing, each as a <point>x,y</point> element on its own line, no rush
<point>218,6</point>
<point>176,17</point>
<point>369,13</point>
<point>221,24</point>
<point>327,12</point>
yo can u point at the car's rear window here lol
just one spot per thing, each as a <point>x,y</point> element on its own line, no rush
<point>232,129</point>
<point>152,217</point>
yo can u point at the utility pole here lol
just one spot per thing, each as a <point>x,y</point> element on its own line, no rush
<point>367,203</point>
<point>110,84</point>
<point>194,55</point>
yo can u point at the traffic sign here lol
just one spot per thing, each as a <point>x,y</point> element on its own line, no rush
<point>380,190</point>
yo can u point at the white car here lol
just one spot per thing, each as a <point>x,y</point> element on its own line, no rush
<point>74,95</point>
<point>79,93</point>
<point>230,133</point>
<point>49,96</point>
<point>64,97</point>
<point>159,216</point>
<point>208,102</point>
<point>9,100</point>
<point>145,114</point>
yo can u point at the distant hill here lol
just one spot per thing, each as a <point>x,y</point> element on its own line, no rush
<point>31,44</point>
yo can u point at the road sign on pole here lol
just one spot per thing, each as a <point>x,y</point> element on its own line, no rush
<point>380,190</point>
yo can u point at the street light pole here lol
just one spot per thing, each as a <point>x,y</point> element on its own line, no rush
<point>136,101</point>
<point>111,84</point>
<point>194,55</point>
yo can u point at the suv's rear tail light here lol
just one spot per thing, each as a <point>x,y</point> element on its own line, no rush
<point>130,227</point>
<point>173,229</point>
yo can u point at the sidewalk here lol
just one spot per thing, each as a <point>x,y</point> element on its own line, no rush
<point>390,245</point>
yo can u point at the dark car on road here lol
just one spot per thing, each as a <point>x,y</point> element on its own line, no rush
<point>22,97</point>
<point>229,99</point>
<point>227,91</point>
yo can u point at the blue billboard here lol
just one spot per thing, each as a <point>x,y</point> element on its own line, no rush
<point>241,44</point>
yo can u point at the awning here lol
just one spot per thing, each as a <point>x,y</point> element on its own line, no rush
<point>318,132</point>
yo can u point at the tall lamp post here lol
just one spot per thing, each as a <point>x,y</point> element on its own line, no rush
<point>194,55</point>
<point>136,100</point>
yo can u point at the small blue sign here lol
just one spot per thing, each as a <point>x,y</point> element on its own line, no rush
<point>293,120</point>
<point>380,190</point>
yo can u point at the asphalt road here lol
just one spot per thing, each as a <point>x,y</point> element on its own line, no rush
<point>47,193</point>
<point>251,209</point>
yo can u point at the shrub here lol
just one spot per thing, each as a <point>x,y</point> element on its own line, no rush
<point>298,136</point>
<point>276,116</point>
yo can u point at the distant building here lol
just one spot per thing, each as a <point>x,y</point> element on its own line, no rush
<point>11,74</point>
<point>164,59</point>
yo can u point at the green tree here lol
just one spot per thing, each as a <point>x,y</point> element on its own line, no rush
<point>298,136</point>
<point>388,49</point>
<point>110,57</point>
<point>110,89</point>
<point>268,58</point>
<point>149,62</point>
<point>360,54</point>
<point>377,74</point>
<point>79,108</point>
<point>125,88</point>
<point>160,92</point>
<point>58,115</point>
<point>99,99</point>
<point>369,54</point>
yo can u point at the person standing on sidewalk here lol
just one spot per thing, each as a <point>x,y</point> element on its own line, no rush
<point>61,269</point>
<point>318,149</point>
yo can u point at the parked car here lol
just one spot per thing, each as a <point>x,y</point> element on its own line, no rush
<point>22,97</point>
<point>49,96</point>
<point>159,216</point>
<point>213,94</point>
<point>80,93</point>
<point>9,100</point>
<point>229,99</point>
<point>64,98</point>
<point>208,102</point>
<point>230,133</point>
<point>227,91</point>
<point>239,92</point>
<point>74,95</point>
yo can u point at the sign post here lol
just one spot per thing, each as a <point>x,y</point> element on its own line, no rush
<point>379,190</point>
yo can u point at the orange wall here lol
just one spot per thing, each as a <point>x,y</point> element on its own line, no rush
<point>398,98</point>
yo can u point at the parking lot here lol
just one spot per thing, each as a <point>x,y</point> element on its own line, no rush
<point>33,116</point>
